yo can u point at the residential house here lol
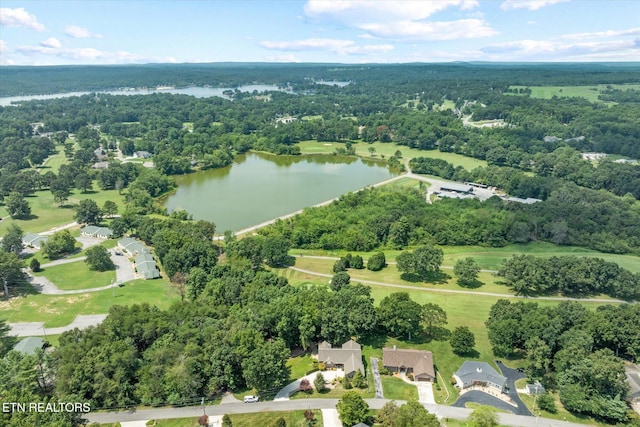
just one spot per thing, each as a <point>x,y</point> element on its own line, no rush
<point>479,374</point>
<point>417,362</point>
<point>348,357</point>
<point>142,155</point>
<point>95,231</point>
<point>536,388</point>
<point>146,266</point>
<point>33,240</point>
<point>132,246</point>
<point>29,345</point>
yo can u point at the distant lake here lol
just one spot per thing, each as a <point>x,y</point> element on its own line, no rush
<point>260,187</point>
<point>198,92</point>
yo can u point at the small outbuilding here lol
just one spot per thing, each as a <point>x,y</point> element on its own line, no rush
<point>533,389</point>
<point>456,188</point>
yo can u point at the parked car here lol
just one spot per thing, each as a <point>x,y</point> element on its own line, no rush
<point>251,399</point>
<point>117,252</point>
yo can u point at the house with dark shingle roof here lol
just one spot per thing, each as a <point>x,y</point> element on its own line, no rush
<point>479,374</point>
<point>348,357</point>
<point>29,345</point>
<point>417,362</point>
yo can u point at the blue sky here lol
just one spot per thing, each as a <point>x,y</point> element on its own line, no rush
<point>118,32</point>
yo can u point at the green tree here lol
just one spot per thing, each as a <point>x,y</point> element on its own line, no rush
<point>339,280</point>
<point>483,416</point>
<point>399,314</point>
<point>110,208</point>
<point>388,414</point>
<point>17,206</point>
<point>340,265</point>
<point>318,383</point>
<point>377,262</point>
<point>399,233</point>
<point>423,261</point>
<point>12,240</point>
<point>414,414</point>
<point>83,182</point>
<point>11,273</point>
<point>275,251</point>
<point>357,262</point>
<point>88,212</point>
<point>266,366</point>
<point>352,409</point>
<point>433,316</point>
<point>462,340</point>
<point>466,270</point>
<point>60,243</point>
<point>98,259</point>
<point>226,421</point>
<point>547,402</point>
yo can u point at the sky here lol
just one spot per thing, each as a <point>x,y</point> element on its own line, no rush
<point>51,32</point>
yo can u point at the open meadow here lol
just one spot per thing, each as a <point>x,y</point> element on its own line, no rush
<point>590,92</point>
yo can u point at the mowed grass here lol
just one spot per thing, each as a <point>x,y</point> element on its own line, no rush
<point>388,150</point>
<point>47,214</point>
<point>396,389</point>
<point>60,310</point>
<point>265,419</point>
<point>76,275</point>
<point>54,161</point>
<point>590,92</point>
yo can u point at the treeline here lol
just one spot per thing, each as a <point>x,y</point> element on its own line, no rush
<point>385,217</point>
<point>570,276</point>
<point>572,350</point>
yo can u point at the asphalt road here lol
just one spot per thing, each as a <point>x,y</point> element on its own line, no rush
<point>302,404</point>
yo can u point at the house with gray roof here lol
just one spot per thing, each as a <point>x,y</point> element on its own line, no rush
<point>457,188</point>
<point>29,345</point>
<point>132,246</point>
<point>348,357</point>
<point>417,362</point>
<point>146,266</point>
<point>34,240</point>
<point>479,374</point>
<point>98,232</point>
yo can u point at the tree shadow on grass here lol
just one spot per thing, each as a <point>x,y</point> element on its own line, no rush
<point>473,354</point>
<point>435,277</point>
<point>374,339</point>
<point>475,284</point>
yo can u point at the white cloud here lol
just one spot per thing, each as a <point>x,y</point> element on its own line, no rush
<point>3,47</point>
<point>49,49</point>
<point>80,33</point>
<point>528,4</point>
<point>51,42</point>
<point>342,47</point>
<point>19,18</point>
<point>288,57</point>
<point>602,34</point>
<point>448,30</point>
<point>562,51</point>
<point>364,10</point>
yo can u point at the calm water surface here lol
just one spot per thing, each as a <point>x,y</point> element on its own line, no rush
<point>259,187</point>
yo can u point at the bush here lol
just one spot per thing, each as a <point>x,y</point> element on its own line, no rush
<point>383,371</point>
<point>546,402</point>
<point>280,422</point>
<point>203,420</point>
<point>319,382</point>
<point>339,265</point>
<point>34,265</point>
<point>305,386</point>
<point>377,262</point>
<point>359,380</point>
<point>357,262</point>
<point>98,259</point>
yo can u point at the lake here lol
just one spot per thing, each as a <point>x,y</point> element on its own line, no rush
<point>260,187</point>
<point>198,92</point>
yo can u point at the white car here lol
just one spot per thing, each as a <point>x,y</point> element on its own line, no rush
<point>251,399</point>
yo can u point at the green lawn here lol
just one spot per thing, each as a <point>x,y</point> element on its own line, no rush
<point>46,213</point>
<point>388,150</point>
<point>54,161</point>
<point>60,310</point>
<point>562,414</point>
<point>76,275</point>
<point>396,389</point>
<point>300,366</point>
<point>590,92</point>
<point>265,419</point>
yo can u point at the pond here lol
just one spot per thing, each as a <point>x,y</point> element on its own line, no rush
<point>260,187</point>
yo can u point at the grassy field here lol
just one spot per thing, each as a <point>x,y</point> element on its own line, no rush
<point>265,419</point>
<point>53,162</point>
<point>46,213</point>
<point>491,258</point>
<point>396,389</point>
<point>387,150</point>
<point>300,366</point>
<point>590,92</point>
<point>60,310</point>
<point>77,275</point>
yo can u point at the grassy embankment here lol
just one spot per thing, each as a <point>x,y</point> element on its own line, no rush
<point>292,418</point>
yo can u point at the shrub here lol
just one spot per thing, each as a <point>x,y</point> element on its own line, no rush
<point>319,382</point>
<point>280,422</point>
<point>34,265</point>
<point>203,420</point>
<point>305,386</point>
<point>377,262</point>
<point>546,402</point>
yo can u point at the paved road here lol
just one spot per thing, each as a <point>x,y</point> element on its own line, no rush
<point>302,404</point>
<point>477,396</point>
<point>31,329</point>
